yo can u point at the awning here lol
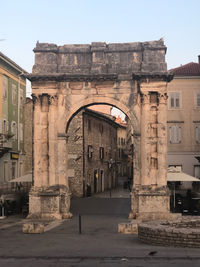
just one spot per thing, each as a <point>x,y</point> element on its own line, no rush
<point>25,178</point>
<point>180,177</point>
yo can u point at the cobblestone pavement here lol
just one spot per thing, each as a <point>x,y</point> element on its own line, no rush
<point>99,244</point>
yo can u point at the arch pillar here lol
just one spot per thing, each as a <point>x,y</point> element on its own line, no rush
<point>49,198</point>
<point>150,199</point>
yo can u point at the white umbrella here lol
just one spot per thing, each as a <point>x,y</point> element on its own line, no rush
<point>174,175</point>
<point>178,176</point>
<point>25,178</point>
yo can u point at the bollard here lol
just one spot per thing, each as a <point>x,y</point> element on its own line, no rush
<point>2,213</point>
<point>110,193</point>
<point>80,232</point>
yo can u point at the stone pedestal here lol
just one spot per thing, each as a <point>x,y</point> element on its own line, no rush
<point>150,202</point>
<point>49,203</point>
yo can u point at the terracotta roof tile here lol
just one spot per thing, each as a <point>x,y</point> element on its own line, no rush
<point>190,69</point>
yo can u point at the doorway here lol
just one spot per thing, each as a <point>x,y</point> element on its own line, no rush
<point>95,181</point>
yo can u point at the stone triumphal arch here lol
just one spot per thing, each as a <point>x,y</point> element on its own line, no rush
<point>130,76</point>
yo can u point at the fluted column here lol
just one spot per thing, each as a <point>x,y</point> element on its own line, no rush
<point>145,134</point>
<point>62,144</point>
<point>40,119</point>
<point>162,139</point>
<point>53,146</point>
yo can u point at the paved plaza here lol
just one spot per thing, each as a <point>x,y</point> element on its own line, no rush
<point>99,244</point>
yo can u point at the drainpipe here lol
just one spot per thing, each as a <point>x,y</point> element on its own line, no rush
<point>18,122</point>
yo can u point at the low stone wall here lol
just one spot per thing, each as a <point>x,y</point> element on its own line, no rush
<point>184,232</point>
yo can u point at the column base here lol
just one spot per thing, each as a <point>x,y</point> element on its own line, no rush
<point>150,203</point>
<point>49,203</point>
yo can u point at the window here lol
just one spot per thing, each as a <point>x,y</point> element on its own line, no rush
<point>101,128</point>
<point>14,129</point>
<point>13,170</point>
<point>101,153</point>
<point>197,171</point>
<point>119,153</point>
<point>175,134</point>
<point>5,168</point>
<point>90,151</point>
<point>5,88</point>
<point>1,127</point>
<point>5,126</point>
<point>174,100</point>
<point>89,125</point>
<point>14,94</point>
<point>198,99</point>
<point>197,134</point>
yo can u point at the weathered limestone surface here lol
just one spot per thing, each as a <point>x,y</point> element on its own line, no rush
<point>100,58</point>
<point>130,76</point>
<point>33,228</point>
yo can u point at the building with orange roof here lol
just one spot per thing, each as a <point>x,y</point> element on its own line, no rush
<point>183,118</point>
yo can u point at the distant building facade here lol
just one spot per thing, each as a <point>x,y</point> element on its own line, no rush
<point>28,135</point>
<point>122,157</point>
<point>183,119</point>
<point>12,99</point>
<point>92,152</point>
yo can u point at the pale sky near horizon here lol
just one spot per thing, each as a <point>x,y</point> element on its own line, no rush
<point>23,23</point>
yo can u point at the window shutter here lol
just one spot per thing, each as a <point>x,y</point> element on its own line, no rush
<point>198,99</point>
<point>179,134</point>
<point>197,171</point>
<point>172,101</point>
<point>170,134</point>
<point>175,134</point>
<point>1,127</point>
<point>7,126</point>
<point>12,127</point>
<point>197,133</point>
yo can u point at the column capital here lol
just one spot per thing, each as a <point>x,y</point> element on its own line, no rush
<point>53,100</point>
<point>145,97</point>
<point>162,97</point>
<point>36,99</point>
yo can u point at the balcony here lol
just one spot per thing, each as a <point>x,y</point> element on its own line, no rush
<point>5,144</point>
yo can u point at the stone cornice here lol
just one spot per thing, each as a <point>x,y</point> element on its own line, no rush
<point>155,76</point>
<point>99,77</point>
<point>71,77</point>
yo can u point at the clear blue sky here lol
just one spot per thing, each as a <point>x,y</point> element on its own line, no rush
<point>23,22</point>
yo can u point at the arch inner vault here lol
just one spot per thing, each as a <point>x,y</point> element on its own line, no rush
<point>130,76</point>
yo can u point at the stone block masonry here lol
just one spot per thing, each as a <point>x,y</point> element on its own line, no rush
<point>130,76</point>
<point>181,233</point>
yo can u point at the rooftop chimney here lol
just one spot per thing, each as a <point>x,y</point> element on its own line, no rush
<point>199,58</point>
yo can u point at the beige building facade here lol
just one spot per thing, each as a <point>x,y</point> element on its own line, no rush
<point>183,119</point>
<point>132,77</point>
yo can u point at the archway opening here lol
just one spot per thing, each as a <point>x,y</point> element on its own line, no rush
<point>100,149</point>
